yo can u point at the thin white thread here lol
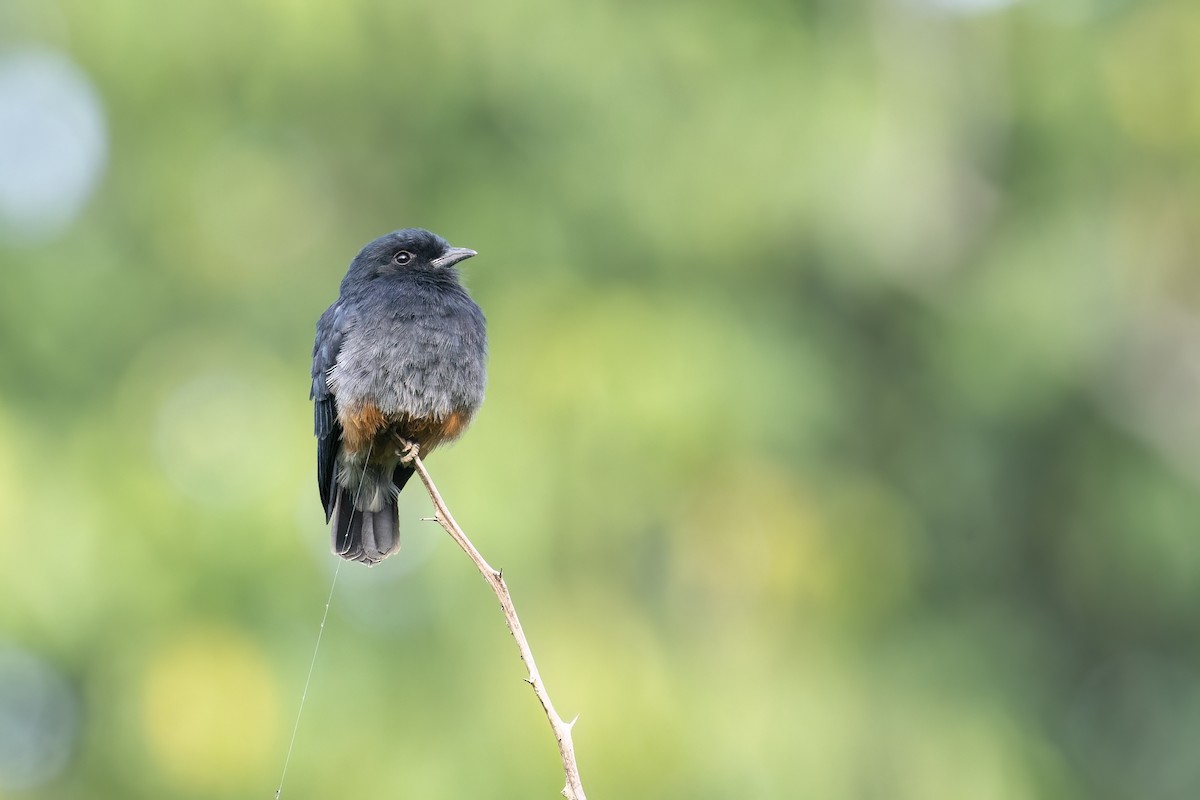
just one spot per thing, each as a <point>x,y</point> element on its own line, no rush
<point>304,695</point>
<point>320,632</point>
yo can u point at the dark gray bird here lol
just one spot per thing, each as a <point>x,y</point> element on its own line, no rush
<point>400,356</point>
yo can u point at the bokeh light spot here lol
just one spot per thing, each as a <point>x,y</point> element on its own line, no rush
<point>210,710</point>
<point>204,425</point>
<point>967,6</point>
<point>37,720</point>
<point>53,143</point>
<point>1151,73</point>
<point>261,204</point>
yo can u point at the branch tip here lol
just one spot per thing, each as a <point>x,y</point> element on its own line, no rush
<point>573,790</point>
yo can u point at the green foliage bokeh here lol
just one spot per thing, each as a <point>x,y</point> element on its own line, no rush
<point>841,439</point>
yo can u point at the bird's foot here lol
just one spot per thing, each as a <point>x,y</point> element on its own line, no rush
<point>407,449</point>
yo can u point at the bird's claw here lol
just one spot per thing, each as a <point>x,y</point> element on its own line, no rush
<point>408,450</point>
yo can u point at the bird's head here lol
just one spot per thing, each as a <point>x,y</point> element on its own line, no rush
<point>408,250</point>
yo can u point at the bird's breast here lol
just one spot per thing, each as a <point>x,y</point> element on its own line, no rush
<point>399,364</point>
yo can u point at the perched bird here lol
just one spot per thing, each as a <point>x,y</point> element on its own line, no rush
<point>399,357</point>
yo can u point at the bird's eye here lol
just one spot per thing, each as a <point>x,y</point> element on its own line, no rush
<point>402,258</point>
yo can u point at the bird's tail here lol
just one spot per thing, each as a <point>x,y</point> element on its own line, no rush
<point>366,536</point>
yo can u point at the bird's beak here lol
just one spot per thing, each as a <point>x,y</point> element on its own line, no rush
<point>453,256</point>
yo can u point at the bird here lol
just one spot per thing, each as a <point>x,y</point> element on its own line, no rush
<point>400,359</point>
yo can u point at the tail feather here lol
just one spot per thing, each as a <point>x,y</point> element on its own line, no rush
<point>366,536</point>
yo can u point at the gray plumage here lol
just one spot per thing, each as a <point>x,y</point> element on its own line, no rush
<point>400,355</point>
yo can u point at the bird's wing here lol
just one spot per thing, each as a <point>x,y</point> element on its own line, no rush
<point>331,329</point>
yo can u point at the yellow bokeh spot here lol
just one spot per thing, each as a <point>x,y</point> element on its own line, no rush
<point>754,535</point>
<point>762,536</point>
<point>209,710</point>
<point>1151,72</point>
<point>11,496</point>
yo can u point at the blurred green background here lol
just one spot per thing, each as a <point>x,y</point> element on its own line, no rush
<point>843,431</point>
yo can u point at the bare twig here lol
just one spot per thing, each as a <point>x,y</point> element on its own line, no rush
<point>562,730</point>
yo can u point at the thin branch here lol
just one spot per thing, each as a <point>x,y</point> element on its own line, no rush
<point>562,730</point>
